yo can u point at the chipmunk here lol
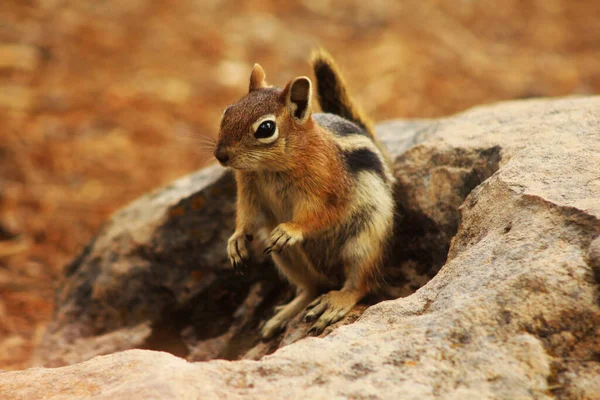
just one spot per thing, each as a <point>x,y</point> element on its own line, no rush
<point>320,183</point>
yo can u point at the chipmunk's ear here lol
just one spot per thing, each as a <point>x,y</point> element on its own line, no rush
<point>257,78</point>
<point>298,94</point>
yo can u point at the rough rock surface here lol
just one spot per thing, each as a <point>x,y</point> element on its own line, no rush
<point>514,312</point>
<point>100,101</point>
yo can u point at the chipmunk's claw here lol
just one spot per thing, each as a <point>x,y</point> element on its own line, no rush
<point>282,237</point>
<point>237,251</point>
<point>240,267</point>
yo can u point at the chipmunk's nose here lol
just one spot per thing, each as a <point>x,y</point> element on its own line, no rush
<point>222,155</point>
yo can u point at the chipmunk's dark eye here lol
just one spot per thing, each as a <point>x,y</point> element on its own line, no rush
<point>265,129</point>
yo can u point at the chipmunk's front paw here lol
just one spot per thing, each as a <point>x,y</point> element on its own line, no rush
<point>237,250</point>
<point>283,236</point>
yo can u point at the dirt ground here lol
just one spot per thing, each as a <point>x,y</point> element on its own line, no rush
<point>101,102</point>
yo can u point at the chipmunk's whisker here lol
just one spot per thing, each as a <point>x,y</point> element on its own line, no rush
<point>194,136</point>
<point>206,150</point>
<point>205,143</point>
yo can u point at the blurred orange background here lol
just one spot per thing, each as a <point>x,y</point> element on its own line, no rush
<point>98,99</point>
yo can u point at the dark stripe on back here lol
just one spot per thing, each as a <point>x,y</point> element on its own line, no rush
<point>363,160</point>
<point>339,126</point>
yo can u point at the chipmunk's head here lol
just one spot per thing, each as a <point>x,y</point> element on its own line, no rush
<point>259,131</point>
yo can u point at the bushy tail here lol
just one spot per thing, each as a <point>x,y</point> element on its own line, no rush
<point>333,94</point>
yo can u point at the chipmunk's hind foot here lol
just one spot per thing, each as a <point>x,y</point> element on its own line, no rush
<point>329,309</point>
<point>284,314</point>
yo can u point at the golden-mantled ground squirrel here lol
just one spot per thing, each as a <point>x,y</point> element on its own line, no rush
<point>318,182</point>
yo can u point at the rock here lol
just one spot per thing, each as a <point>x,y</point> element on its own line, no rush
<point>505,197</point>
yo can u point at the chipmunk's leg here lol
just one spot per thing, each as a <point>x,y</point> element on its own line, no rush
<point>246,221</point>
<point>306,283</point>
<point>362,259</point>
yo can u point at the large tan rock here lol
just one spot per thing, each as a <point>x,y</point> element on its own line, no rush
<point>513,313</point>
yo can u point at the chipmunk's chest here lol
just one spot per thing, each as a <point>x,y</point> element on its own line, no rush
<point>278,197</point>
